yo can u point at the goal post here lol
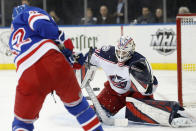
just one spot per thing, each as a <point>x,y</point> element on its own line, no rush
<point>186,58</point>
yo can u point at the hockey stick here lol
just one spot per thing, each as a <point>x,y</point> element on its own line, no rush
<point>86,84</point>
<point>105,119</point>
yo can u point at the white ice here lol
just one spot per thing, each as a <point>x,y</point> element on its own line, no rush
<point>53,116</point>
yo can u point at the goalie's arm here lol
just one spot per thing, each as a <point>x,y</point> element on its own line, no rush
<point>142,77</point>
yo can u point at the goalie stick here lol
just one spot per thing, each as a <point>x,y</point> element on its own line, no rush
<point>86,84</point>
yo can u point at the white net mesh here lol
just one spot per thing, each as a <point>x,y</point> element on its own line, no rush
<point>188,53</point>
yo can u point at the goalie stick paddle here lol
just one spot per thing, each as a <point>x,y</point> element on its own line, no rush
<point>90,52</point>
<point>102,114</point>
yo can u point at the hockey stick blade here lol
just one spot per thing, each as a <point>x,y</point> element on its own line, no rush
<point>105,119</point>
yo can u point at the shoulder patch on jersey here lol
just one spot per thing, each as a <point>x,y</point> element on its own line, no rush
<point>105,48</point>
<point>108,53</point>
<point>34,16</point>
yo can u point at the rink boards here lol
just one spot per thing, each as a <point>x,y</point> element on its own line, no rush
<point>156,42</point>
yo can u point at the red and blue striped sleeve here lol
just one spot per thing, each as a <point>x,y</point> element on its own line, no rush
<point>43,25</point>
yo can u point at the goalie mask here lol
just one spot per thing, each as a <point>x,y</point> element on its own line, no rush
<point>124,49</point>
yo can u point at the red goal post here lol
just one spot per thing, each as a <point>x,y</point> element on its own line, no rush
<point>186,58</point>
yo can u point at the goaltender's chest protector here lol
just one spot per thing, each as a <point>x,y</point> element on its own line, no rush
<point>118,76</point>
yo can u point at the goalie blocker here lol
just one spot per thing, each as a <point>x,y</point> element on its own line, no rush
<point>166,113</point>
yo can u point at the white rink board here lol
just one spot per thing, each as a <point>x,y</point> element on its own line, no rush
<point>144,35</point>
<point>85,36</point>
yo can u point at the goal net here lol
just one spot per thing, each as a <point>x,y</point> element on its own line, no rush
<point>186,58</point>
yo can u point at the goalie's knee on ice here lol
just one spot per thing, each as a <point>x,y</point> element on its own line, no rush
<point>19,125</point>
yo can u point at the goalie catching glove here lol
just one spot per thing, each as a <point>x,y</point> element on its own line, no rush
<point>141,71</point>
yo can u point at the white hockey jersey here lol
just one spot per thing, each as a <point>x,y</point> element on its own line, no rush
<point>118,76</point>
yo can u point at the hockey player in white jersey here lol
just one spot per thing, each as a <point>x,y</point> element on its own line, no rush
<point>131,83</point>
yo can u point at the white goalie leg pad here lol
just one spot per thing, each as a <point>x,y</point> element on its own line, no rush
<point>185,121</point>
<point>156,114</point>
<point>182,122</point>
<point>121,122</point>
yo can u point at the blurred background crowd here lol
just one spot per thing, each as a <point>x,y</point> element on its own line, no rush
<point>90,12</point>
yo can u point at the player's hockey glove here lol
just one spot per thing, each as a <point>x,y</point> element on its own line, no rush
<point>65,45</point>
<point>79,60</point>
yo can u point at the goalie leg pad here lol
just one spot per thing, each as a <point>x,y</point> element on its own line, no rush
<point>151,111</point>
<point>85,116</point>
<point>19,125</point>
<point>134,114</point>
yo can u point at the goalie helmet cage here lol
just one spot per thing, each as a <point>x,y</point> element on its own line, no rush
<point>186,58</point>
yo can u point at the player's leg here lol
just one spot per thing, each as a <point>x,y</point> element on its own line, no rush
<point>32,88</point>
<point>27,108</point>
<point>111,101</point>
<point>68,89</point>
<point>20,125</point>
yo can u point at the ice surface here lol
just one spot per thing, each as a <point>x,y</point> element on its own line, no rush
<point>53,116</point>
